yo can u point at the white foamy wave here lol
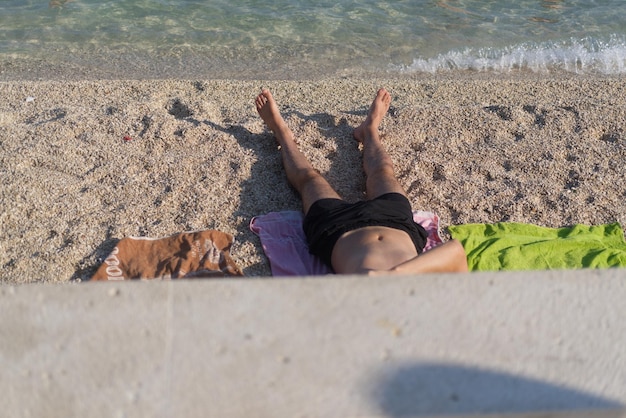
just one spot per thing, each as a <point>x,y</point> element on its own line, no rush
<point>585,56</point>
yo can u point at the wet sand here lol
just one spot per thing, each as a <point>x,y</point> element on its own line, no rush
<point>547,151</point>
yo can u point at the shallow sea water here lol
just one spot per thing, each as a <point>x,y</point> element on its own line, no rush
<point>307,38</point>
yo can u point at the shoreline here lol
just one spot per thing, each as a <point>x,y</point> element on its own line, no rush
<point>547,150</point>
<point>77,68</point>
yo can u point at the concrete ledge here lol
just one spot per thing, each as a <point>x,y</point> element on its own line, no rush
<point>317,347</point>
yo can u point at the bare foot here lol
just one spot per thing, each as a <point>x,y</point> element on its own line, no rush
<point>377,112</point>
<point>268,110</point>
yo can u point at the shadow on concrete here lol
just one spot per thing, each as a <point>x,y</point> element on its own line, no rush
<point>431,389</point>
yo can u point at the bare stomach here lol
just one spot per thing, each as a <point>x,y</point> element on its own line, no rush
<point>371,248</point>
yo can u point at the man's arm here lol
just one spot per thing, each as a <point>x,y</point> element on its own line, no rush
<point>446,258</point>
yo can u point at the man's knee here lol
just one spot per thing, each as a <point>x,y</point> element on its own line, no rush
<point>385,169</point>
<point>306,175</point>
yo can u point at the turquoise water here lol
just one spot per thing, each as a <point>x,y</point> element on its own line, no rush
<point>300,38</point>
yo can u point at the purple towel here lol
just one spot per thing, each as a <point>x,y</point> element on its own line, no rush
<point>285,245</point>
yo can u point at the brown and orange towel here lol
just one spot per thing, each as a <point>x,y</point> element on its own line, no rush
<point>203,253</point>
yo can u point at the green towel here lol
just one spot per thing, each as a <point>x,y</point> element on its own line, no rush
<point>517,246</point>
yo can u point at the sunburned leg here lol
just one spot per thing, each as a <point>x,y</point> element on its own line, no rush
<point>378,167</point>
<point>301,175</point>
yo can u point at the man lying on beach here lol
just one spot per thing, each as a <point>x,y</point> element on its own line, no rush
<point>375,236</point>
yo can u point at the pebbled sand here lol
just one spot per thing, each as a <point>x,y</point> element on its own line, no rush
<point>545,151</point>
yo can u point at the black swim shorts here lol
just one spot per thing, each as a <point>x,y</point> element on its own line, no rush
<point>329,219</point>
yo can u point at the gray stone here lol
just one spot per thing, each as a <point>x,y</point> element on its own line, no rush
<point>342,346</point>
